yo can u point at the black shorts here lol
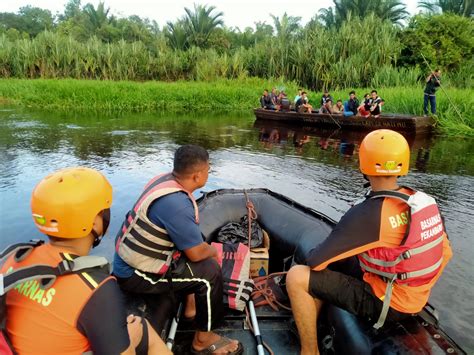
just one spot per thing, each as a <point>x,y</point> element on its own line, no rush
<point>348,291</point>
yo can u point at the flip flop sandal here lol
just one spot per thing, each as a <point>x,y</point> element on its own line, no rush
<point>222,342</point>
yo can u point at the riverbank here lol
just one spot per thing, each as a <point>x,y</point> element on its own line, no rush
<point>221,95</point>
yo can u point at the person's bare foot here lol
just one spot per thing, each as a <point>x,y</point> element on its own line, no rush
<point>190,310</point>
<point>202,340</point>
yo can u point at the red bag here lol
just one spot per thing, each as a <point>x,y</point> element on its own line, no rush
<point>234,260</point>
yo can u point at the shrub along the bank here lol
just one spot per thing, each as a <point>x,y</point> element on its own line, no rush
<point>222,94</point>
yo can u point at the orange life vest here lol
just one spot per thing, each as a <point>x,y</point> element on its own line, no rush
<point>418,259</point>
<point>41,320</point>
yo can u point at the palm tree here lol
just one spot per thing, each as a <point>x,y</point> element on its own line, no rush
<point>327,17</point>
<point>176,34</point>
<point>287,26</point>
<point>458,7</point>
<point>97,17</point>
<point>392,10</point>
<point>200,23</point>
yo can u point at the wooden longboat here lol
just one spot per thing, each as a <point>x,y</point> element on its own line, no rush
<point>397,122</point>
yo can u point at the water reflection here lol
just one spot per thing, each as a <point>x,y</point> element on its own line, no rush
<point>315,167</point>
<point>336,143</point>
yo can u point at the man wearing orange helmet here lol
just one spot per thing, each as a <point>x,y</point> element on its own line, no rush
<point>396,236</point>
<point>83,309</point>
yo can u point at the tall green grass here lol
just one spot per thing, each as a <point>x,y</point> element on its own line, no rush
<point>135,96</point>
<point>361,53</point>
<point>221,94</point>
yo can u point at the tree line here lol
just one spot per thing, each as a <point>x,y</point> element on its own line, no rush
<point>352,43</point>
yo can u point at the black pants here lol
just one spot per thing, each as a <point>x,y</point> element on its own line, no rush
<point>203,278</point>
<point>341,285</point>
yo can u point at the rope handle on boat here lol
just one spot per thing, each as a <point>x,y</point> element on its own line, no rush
<point>266,292</point>
<point>251,214</point>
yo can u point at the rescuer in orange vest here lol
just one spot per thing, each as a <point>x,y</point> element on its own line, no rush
<point>385,254</point>
<point>80,312</point>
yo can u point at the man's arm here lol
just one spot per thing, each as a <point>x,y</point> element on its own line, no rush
<point>175,213</point>
<point>201,252</point>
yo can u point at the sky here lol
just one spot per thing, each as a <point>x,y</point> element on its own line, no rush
<point>241,13</point>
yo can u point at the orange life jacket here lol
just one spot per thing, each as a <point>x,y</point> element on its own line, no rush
<point>418,259</point>
<point>44,320</point>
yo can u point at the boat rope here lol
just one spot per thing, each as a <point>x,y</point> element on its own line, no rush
<point>334,120</point>
<point>263,289</point>
<point>252,215</point>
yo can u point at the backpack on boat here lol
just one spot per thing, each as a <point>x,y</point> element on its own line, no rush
<point>234,260</point>
<point>45,275</point>
<point>238,232</point>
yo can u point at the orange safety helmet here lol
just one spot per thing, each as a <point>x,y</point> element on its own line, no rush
<point>384,153</point>
<point>65,203</point>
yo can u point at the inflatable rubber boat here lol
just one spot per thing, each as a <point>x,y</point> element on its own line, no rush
<point>294,230</point>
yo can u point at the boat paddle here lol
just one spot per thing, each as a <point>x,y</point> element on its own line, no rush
<point>256,329</point>
<point>174,327</point>
<point>252,215</point>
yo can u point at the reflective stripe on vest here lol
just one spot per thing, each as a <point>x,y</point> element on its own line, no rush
<point>420,255</point>
<point>141,243</point>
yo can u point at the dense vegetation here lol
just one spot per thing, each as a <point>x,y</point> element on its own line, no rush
<point>353,44</point>
<point>219,95</point>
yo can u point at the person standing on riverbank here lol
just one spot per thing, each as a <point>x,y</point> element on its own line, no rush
<point>160,249</point>
<point>80,312</point>
<point>433,82</point>
<point>382,259</point>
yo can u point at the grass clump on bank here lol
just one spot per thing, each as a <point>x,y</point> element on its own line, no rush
<point>135,96</point>
<point>219,95</point>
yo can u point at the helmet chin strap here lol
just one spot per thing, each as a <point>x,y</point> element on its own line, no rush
<point>106,223</point>
<point>97,238</point>
<point>367,183</point>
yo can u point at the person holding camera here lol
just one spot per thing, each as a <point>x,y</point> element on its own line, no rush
<point>432,84</point>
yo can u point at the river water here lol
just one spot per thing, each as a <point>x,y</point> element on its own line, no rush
<point>316,168</point>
